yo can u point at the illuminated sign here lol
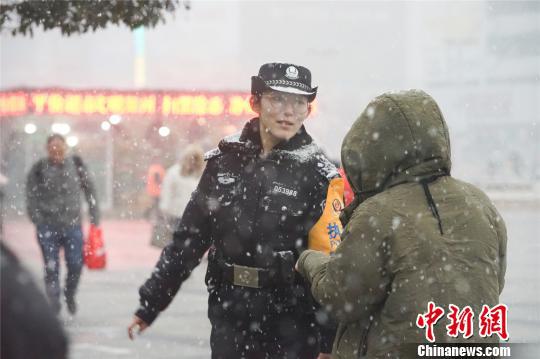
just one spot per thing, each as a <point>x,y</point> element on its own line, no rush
<point>13,103</point>
<point>136,103</point>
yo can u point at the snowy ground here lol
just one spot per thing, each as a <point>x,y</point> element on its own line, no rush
<point>108,298</point>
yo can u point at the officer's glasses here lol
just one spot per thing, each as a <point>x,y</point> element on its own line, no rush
<point>280,101</point>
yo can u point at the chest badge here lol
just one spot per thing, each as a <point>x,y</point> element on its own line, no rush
<point>280,188</point>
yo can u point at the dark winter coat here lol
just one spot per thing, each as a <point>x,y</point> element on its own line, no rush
<point>53,192</point>
<point>248,209</point>
<point>30,329</point>
<point>400,249</point>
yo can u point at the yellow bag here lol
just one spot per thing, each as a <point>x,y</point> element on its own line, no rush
<point>325,235</point>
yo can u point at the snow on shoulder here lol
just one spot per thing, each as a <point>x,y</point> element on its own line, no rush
<point>231,139</point>
<point>234,138</point>
<point>312,153</point>
<point>212,153</point>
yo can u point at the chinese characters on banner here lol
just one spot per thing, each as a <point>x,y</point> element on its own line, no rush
<point>492,320</point>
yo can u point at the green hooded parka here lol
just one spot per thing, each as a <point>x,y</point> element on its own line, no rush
<point>414,235</point>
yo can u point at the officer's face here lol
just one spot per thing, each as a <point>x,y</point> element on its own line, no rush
<point>282,114</point>
<point>56,150</point>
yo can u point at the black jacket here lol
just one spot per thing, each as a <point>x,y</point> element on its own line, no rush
<point>29,328</point>
<point>53,192</point>
<point>248,209</point>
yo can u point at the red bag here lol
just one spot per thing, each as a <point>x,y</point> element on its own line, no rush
<point>94,249</point>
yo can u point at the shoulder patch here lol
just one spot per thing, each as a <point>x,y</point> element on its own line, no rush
<point>212,154</point>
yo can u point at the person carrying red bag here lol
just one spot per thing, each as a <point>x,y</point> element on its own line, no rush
<point>53,199</point>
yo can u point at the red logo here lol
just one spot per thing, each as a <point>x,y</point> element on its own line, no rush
<point>429,319</point>
<point>460,322</point>
<point>336,204</point>
<point>491,321</point>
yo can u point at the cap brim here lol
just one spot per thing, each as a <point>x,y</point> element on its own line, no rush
<point>293,90</point>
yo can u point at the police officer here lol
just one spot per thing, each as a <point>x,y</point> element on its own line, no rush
<point>260,201</point>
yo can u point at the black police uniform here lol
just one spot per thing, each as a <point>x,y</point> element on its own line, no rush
<point>255,213</point>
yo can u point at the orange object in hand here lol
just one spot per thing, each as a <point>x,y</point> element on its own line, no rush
<point>325,235</point>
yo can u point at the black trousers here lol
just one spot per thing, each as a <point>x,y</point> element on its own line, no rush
<point>249,326</point>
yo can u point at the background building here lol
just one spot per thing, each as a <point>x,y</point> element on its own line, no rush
<point>480,60</point>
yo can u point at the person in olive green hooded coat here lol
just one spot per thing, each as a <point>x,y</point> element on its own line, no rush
<point>414,234</point>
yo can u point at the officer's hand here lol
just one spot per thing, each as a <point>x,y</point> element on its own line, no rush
<point>324,356</point>
<point>137,322</point>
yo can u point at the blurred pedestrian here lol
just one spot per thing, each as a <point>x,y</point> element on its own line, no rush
<point>53,199</point>
<point>154,180</point>
<point>30,330</point>
<point>3,184</point>
<point>414,234</point>
<point>260,201</point>
<point>180,181</point>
